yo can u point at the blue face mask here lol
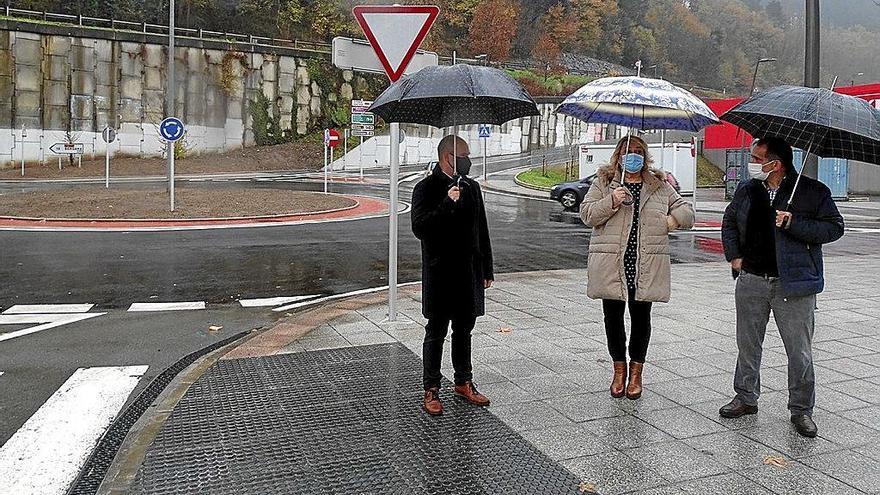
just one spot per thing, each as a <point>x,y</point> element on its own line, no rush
<point>633,162</point>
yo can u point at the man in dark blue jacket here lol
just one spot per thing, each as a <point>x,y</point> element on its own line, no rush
<point>775,251</point>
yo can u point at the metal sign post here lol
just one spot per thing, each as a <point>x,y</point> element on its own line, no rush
<point>109,135</point>
<point>485,132</point>
<point>23,135</point>
<point>170,98</point>
<point>395,33</point>
<point>326,147</point>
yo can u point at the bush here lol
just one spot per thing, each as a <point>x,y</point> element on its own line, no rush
<point>551,84</point>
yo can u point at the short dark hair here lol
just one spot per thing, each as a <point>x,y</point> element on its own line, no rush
<point>778,149</point>
<point>447,145</point>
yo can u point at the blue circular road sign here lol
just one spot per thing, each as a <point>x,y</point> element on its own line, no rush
<point>171,129</point>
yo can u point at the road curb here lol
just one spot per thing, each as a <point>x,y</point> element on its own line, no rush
<point>364,206</point>
<point>529,186</point>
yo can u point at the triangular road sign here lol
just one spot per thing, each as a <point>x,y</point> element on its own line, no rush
<point>395,32</point>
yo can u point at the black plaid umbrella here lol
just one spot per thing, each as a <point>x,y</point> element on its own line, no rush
<point>444,96</point>
<point>828,124</point>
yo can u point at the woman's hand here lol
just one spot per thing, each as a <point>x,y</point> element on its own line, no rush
<point>671,223</point>
<point>618,196</point>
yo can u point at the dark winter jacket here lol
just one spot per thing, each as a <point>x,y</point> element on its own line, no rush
<point>815,221</point>
<point>456,251</point>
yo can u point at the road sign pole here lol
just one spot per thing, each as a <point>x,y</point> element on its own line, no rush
<point>361,158</point>
<point>107,167</point>
<point>170,99</point>
<point>345,149</point>
<point>485,160</point>
<point>392,224</point>
<point>325,168</point>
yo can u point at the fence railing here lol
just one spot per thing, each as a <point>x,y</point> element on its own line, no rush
<point>162,30</point>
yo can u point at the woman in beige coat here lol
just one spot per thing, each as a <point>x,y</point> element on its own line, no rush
<point>628,262</point>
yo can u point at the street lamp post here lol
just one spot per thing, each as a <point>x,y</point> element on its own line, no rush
<point>811,69</point>
<point>743,161</point>
<point>170,99</point>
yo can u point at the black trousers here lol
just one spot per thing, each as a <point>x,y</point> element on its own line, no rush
<point>615,331</point>
<point>432,349</point>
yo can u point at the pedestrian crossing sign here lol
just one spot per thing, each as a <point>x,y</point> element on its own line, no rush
<point>485,131</point>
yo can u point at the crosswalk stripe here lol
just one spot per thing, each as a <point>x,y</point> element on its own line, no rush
<point>48,308</point>
<point>172,306</point>
<point>48,321</point>
<point>45,455</point>
<point>273,301</point>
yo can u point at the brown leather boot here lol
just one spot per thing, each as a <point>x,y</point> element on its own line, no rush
<point>634,389</point>
<point>468,392</point>
<point>432,404</point>
<point>618,383</point>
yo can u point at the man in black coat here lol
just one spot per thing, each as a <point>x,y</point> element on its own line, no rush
<point>775,252</point>
<point>449,217</point>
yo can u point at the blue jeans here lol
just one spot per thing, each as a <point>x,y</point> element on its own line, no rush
<point>756,297</point>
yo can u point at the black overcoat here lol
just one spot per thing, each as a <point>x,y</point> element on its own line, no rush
<point>456,251</point>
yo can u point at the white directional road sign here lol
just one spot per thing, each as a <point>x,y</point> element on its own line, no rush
<point>67,148</point>
<point>362,133</point>
<point>359,55</point>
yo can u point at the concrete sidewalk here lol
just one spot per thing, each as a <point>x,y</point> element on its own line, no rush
<point>328,402</point>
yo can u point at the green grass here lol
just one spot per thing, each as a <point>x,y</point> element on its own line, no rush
<point>708,175</point>
<point>534,177</point>
<point>551,85</point>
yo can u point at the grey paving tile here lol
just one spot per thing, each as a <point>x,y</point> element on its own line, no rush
<point>590,381</point>
<point>842,431</point>
<point>614,472</point>
<point>529,415</point>
<point>495,353</point>
<point>733,450</point>
<point>370,338</point>
<point>566,442</point>
<point>676,461</point>
<point>681,422</point>
<point>503,393</point>
<point>626,432</point>
<point>849,467</point>
<point>586,407</point>
<point>860,389</point>
<point>520,368</point>
<point>324,343</point>
<point>687,367</point>
<point>549,386</point>
<point>684,392</point>
<point>798,479</point>
<point>727,484</point>
<point>647,402</point>
<point>783,438</point>
<point>869,416</point>
<point>832,400</point>
<point>853,367</point>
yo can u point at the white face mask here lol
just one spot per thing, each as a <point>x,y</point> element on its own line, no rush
<point>756,171</point>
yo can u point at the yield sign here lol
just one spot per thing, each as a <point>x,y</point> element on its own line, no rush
<point>395,32</point>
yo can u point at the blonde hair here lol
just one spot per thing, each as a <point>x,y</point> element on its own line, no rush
<point>619,150</point>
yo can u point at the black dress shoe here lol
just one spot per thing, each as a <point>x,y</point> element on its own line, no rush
<point>737,409</point>
<point>805,425</point>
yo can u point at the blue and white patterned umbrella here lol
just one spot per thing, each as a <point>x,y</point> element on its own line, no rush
<point>639,103</point>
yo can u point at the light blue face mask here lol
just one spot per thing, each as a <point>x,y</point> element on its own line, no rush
<point>633,162</point>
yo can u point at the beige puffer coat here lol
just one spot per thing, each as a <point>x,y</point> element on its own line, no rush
<point>611,227</point>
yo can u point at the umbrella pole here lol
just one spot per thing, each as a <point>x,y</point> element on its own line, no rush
<point>800,172</point>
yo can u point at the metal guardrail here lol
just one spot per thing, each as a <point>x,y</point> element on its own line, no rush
<point>162,30</point>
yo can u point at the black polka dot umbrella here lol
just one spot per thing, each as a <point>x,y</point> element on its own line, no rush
<point>444,96</point>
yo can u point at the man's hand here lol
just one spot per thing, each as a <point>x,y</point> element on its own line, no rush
<point>737,264</point>
<point>783,219</point>
<point>618,196</point>
<point>487,283</point>
<point>454,193</point>
<point>671,223</point>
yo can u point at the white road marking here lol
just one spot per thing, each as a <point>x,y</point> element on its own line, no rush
<point>338,296</point>
<point>273,301</point>
<point>172,306</point>
<point>45,455</point>
<point>863,231</point>
<point>48,308</point>
<point>48,321</point>
<point>412,178</point>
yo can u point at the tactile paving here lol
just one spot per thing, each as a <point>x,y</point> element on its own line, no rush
<point>339,421</point>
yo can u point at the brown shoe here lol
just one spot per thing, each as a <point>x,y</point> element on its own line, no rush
<point>634,389</point>
<point>618,383</point>
<point>469,392</point>
<point>432,404</point>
